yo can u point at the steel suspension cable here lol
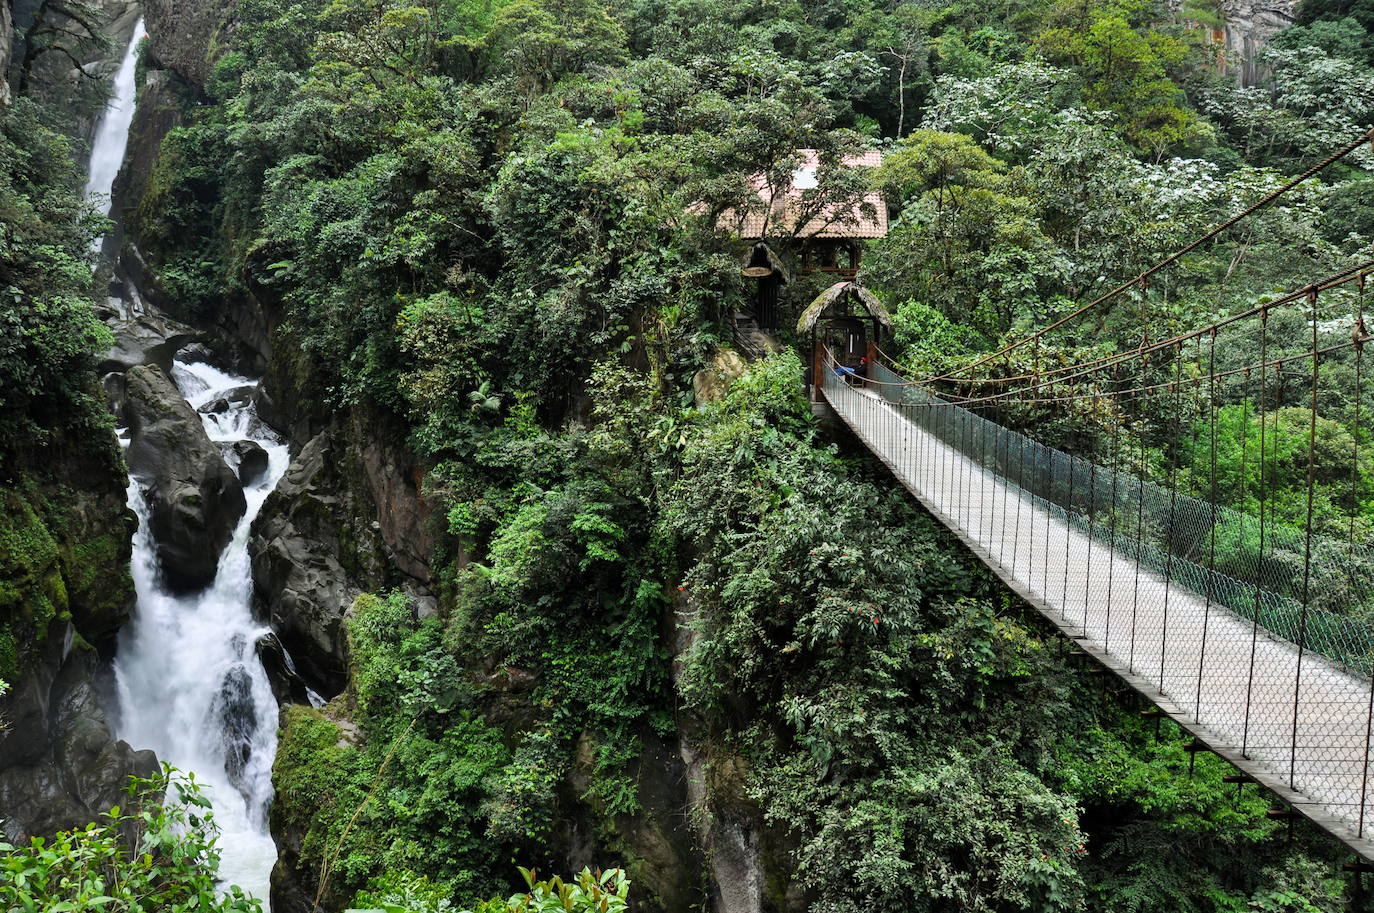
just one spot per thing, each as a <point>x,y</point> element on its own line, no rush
<point>1178,254</point>
<point>1089,368</point>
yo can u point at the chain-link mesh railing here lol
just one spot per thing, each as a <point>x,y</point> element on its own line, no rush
<point>1211,549</point>
<point>1192,598</point>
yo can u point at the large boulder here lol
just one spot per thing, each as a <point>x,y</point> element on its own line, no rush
<point>251,461</point>
<point>145,339</point>
<point>60,766</point>
<point>194,498</point>
<point>299,576</point>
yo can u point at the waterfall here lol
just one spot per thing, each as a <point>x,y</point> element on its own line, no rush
<point>112,133</point>
<point>191,684</point>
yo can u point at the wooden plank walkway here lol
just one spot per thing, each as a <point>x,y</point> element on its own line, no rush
<point>1297,723</point>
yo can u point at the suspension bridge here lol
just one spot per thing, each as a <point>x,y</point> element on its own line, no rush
<point>1251,628</point>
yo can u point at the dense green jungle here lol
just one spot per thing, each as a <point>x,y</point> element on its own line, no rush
<point>600,593</point>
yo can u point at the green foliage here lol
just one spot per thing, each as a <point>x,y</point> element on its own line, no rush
<point>1125,66</point>
<point>1169,835</point>
<point>588,892</point>
<point>967,241</point>
<point>48,330</point>
<point>403,891</point>
<point>156,853</point>
<point>419,810</point>
<point>1286,436</point>
<point>600,892</point>
<point>924,339</point>
<point>498,223</point>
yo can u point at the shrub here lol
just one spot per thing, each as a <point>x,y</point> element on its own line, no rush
<point>153,854</point>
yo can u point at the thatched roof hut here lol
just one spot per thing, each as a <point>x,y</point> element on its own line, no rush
<point>836,294</point>
<point>764,263</point>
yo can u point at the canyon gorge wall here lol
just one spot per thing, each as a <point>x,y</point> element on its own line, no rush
<point>1250,25</point>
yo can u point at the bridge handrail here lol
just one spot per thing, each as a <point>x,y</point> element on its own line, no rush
<point>1171,535</point>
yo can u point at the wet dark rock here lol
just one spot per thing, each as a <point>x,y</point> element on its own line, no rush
<point>237,718</point>
<point>60,765</point>
<point>391,478</point>
<point>287,685</point>
<point>116,392</point>
<point>298,572</point>
<point>194,498</point>
<point>233,398</point>
<point>145,339</point>
<point>269,412</point>
<point>196,353</point>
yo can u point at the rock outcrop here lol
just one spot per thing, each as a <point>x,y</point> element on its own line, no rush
<point>298,550</point>
<point>317,544</point>
<point>711,382</point>
<point>144,338</point>
<point>60,766</point>
<point>194,498</point>
<point>1250,25</point>
<point>183,31</point>
<point>65,591</point>
<point>6,42</point>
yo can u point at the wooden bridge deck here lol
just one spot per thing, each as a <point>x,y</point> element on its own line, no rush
<point>1299,725</point>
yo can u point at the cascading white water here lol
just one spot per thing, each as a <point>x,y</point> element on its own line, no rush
<point>191,684</point>
<point>112,133</point>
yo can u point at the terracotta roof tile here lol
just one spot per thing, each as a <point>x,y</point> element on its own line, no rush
<point>866,219</point>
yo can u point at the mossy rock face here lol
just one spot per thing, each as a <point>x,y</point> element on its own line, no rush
<point>28,552</point>
<point>64,553</point>
<point>32,592</point>
<point>99,587</point>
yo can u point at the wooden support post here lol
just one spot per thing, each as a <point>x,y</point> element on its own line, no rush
<point>1357,869</point>
<point>1193,748</point>
<point>1155,714</point>
<point>1283,814</point>
<point>817,366</point>
<point>1240,779</point>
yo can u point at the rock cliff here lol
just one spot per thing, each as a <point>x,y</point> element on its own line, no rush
<point>6,42</point>
<point>1250,25</point>
<point>64,593</point>
<point>183,31</point>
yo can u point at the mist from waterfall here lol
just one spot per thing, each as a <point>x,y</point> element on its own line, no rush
<point>112,133</point>
<point>191,684</point>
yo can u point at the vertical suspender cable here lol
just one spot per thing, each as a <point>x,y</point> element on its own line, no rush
<point>1068,537</point>
<point>1259,561</point>
<point>1092,529</point>
<point>1307,541</point>
<point>1030,512</point>
<point>1139,516</point>
<point>1212,497</point>
<point>1360,338</point>
<point>1170,533</point>
<point>1113,457</point>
